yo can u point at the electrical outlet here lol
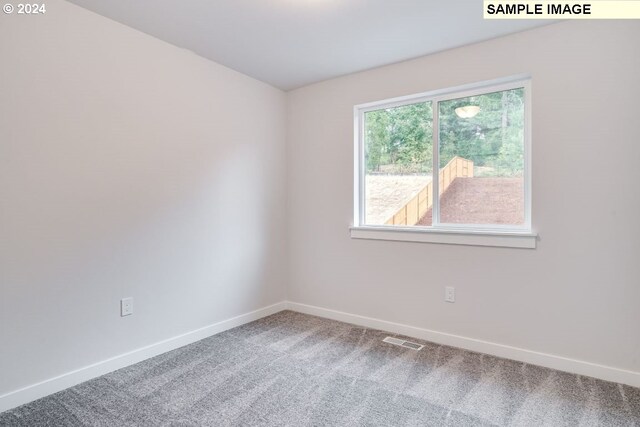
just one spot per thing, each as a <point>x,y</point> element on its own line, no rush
<point>126,307</point>
<point>450,294</point>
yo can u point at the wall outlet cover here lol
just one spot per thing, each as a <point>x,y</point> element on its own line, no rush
<point>450,294</point>
<point>126,307</point>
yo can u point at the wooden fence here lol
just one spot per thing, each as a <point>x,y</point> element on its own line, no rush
<point>415,209</point>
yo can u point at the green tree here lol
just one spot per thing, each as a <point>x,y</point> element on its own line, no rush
<point>492,138</point>
<point>401,137</point>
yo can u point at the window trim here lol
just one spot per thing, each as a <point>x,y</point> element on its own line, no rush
<point>470,234</point>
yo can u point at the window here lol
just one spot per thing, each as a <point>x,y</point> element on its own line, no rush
<point>449,166</point>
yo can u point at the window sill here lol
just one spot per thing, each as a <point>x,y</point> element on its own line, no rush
<point>524,240</point>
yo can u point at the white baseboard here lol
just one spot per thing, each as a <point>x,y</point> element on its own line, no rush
<point>69,379</point>
<point>61,382</point>
<point>560,363</point>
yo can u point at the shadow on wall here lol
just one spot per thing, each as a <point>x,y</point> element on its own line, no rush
<point>128,168</point>
<point>68,208</point>
<point>170,223</point>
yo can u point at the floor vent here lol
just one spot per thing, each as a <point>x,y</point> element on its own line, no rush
<point>403,343</point>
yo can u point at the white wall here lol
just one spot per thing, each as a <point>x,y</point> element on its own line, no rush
<point>128,167</point>
<point>576,295</point>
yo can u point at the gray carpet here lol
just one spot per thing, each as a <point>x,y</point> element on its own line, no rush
<point>291,369</point>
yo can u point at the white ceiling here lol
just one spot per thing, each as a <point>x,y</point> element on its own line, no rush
<point>291,43</point>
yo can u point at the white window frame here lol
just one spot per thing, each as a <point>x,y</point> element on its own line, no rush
<point>466,234</point>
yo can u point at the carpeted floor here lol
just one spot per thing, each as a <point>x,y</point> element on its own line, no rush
<point>291,369</point>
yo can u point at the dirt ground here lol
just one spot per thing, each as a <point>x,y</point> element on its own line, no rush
<point>481,201</point>
<point>385,194</point>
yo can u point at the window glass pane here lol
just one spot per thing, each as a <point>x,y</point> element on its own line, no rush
<point>481,158</point>
<point>398,160</point>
